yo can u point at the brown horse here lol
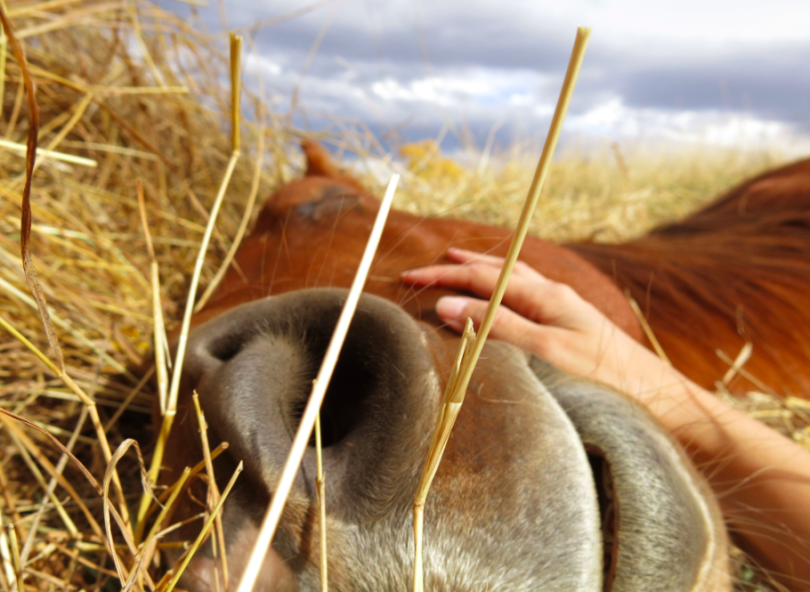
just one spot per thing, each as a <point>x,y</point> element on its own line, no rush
<point>548,482</point>
<point>736,271</point>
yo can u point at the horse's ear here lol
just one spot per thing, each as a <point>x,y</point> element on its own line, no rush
<point>320,164</point>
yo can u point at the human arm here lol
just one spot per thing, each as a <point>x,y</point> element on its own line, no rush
<point>761,478</point>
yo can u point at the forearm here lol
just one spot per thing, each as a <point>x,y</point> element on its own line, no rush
<point>761,478</point>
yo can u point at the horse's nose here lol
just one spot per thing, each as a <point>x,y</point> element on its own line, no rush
<point>253,368</point>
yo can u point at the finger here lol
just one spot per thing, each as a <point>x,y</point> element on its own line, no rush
<point>507,325</point>
<point>525,295</point>
<point>465,256</point>
<point>477,278</point>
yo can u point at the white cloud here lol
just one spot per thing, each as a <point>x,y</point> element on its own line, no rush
<point>707,21</point>
<point>685,70</point>
<point>267,66</point>
<point>476,86</point>
<point>613,118</point>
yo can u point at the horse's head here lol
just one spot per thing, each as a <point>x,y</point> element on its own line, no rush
<point>515,505</point>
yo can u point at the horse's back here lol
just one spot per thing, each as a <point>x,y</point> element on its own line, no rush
<point>736,271</point>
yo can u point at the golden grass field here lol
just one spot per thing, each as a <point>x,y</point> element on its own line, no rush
<point>140,94</point>
<point>608,193</point>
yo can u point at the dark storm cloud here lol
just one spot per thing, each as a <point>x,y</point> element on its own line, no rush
<point>468,43</point>
<point>771,86</point>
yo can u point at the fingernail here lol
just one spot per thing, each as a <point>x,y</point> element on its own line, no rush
<point>451,307</point>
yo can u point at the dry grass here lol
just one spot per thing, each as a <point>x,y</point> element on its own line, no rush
<point>607,193</point>
<point>144,95</point>
<point>141,94</point>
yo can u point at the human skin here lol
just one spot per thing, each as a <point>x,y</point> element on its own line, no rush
<point>761,478</point>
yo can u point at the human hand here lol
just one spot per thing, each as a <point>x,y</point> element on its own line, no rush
<point>543,317</point>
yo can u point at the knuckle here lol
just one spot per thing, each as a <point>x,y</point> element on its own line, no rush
<point>475,309</point>
<point>481,270</point>
<point>563,292</point>
<point>538,347</point>
<point>502,319</point>
<point>522,267</point>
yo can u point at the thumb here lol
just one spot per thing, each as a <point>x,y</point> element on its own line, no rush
<point>507,326</point>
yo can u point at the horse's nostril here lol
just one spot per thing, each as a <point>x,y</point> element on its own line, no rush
<point>253,368</point>
<point>227,348</point>
<point>359,375</point>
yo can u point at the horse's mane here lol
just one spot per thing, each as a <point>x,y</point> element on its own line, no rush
<point>740,265</point>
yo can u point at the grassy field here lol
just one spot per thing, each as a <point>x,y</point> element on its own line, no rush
<point>606,193</point>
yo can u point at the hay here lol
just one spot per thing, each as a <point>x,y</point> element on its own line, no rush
<point>141,95</point>
<point>134,92</point>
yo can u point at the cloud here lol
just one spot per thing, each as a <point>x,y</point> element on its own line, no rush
<point>677,69</point>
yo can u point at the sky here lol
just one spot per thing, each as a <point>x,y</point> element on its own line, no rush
<point>708,71</point>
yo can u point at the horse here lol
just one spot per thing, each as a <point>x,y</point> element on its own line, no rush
<point>548,481</point>
<point>737,271</point>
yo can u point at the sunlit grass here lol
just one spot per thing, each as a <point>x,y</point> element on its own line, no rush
<point>608,192</point>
